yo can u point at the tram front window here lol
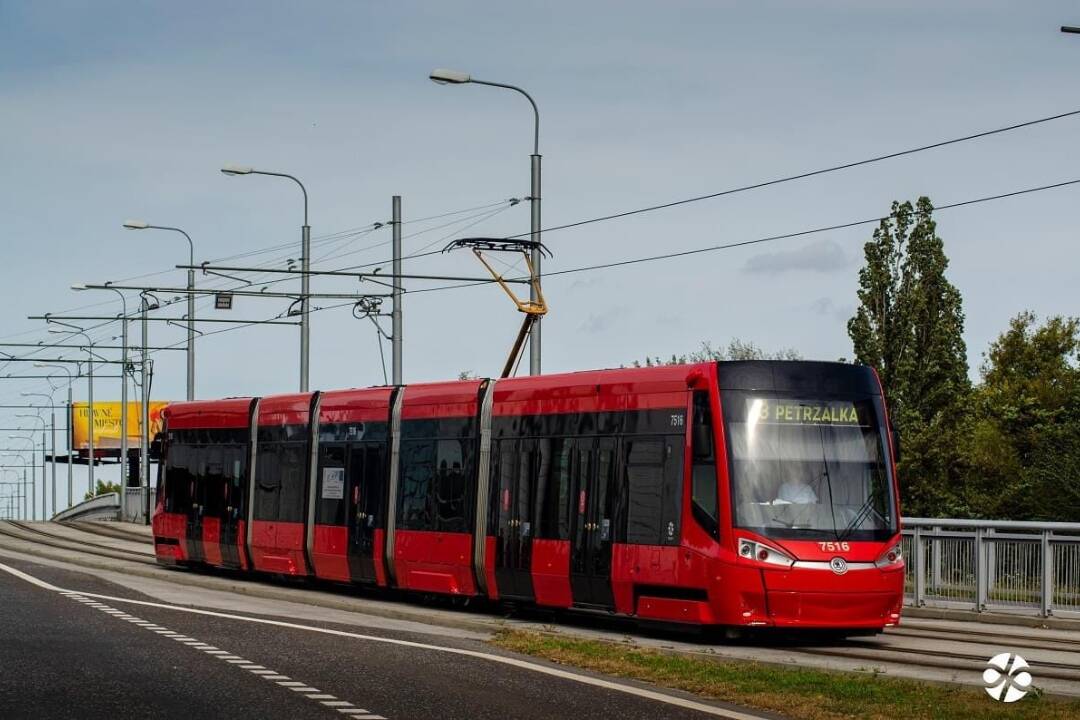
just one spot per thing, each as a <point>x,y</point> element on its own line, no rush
<point>809,468</point>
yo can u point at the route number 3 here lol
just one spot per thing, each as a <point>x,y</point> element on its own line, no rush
<point>834,546</point>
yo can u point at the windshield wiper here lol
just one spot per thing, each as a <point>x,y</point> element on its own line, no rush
<point>828,478</point>
<point>866,509</point>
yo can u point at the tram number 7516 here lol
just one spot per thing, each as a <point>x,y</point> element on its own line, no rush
<point>834,546</point>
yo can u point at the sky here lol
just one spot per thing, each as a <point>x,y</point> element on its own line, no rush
<point>114,110</point>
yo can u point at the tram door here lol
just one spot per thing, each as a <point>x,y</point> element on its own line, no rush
<point>197,493</point>
<point>592,531</point>
<point>233,496</point>
<point>367,482</point>
<point>517,468</point>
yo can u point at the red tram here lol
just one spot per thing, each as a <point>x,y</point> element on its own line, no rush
<point>751,493</point>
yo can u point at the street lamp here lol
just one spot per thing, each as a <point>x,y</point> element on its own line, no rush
<point>89,397</point>
<point>33,474</point>
<point>1070,29</point>
<point>123,377</point>
<point>442,76</point>
<point>52,433</point>
<point>305,268</point>
<point>70,440</point>
<point>140,225</point>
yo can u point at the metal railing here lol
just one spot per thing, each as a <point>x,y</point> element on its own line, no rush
<point>135,503</point>
<point>106,507</point>
<point>1031,568</point>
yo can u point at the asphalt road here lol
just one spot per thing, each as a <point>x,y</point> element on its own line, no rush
<point>77,656</point>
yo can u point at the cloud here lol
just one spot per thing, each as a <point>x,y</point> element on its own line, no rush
<point>597,323</point>
<point>823,256</point>
<point>827,308</point>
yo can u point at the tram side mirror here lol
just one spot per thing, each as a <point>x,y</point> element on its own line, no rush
<point>157,447</point>
<point>896,445</point>
<point>702,439</point>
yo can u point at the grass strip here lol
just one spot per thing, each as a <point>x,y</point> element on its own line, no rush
<point>796,692</point>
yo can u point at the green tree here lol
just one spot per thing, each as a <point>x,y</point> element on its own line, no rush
<point>736,350</point>
<point>909,326</point>
<point>1024,445</point>
<point>102,488</point>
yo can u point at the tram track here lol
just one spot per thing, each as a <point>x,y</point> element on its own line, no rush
<point>927,657</point>
<point>25,533</point>
<point>950,635</point>
<point>103,529</point>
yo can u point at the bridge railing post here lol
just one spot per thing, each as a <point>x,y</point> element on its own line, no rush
<point>919,552</point>
<point>1047,590</point>
<point>981,575</point>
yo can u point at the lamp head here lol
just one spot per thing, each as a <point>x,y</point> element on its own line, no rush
<point>78,287</point>
<point>237,170</point>
<point>136,224</point>
<point>442,76</point>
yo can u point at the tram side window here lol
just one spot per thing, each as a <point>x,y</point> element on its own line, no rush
<point>417,467</point>
<point>653,471</point>
<point>553,489</point>
<point>292,465</point>
<point>703,471</point>
<point>212,479</point>
<point>333,488</point>
<point>178,478</point>
<point>454,466</point>
<point>267,483</point>
<point>235,467</point>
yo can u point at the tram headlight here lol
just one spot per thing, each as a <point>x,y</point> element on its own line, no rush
<point>764,553</point>
<point>894,556</point>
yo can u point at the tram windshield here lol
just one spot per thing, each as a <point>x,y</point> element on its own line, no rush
<point>809,468</point>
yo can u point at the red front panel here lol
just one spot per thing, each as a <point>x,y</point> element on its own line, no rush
<point>839,610</point>
<point>211,533</point>
<point>170,526</point>
<point>328,552</point>
<point>278,547</point>
<point>551,572</point>
<point>434,562</point>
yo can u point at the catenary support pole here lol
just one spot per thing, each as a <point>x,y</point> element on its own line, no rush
<point>144,415</point>
<point>52,432</point>
<point>70,447</point>
<point>534,334</point>
<point>395,313</point>
<point>305,306</point>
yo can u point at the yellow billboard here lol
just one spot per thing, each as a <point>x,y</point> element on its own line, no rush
<point>107,424</point>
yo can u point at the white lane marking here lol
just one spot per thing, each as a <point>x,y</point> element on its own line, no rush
<point>258,670</point>
<point>323,696</point>
<point>501,659</point>
<point>337,703</point>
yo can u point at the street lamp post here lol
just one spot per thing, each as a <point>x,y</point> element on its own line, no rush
<point>89,400</point>
<point>144,436</point>
<point>52,432</point>
<point>305,270</point>
<point>124,385</point>
<point>443,76</point>
<point>70,441</point>
<point>140,225</point>
<point>33,477</point>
